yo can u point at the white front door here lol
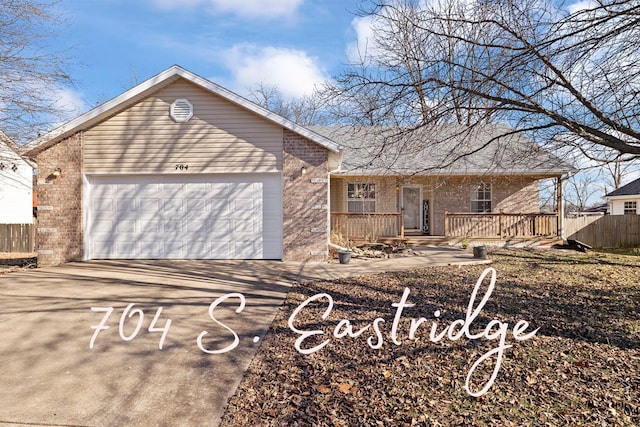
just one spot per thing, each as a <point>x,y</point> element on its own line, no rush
<point>412,204</point>
<point>184,217</point>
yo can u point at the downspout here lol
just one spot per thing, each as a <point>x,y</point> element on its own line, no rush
<point>561,204</point>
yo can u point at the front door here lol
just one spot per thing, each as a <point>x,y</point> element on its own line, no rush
<point>412,204</point>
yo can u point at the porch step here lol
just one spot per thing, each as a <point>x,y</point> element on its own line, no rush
<point>426,240</point>
<point>421,240</point>
<point>418,240</point>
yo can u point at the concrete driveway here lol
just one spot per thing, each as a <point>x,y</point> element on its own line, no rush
<point>50,376</point>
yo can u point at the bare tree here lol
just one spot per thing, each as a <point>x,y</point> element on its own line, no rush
<point>567,77</point>
<point>616,171</point>
<point>29,71</point>
<point>392,79</point>
<point>580,190</point>
<point>307,110</point>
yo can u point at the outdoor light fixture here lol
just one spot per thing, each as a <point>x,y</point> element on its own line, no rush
<point>56,172</point>
<point>303,170</point>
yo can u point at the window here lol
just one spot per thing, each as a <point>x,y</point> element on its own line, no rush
<point>630,208</point>
<point>361,197</point>
<point>481,198</point>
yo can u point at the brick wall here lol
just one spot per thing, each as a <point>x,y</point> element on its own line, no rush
<point>509,194</point>
<point>305,198</point>
<point>59,233</point>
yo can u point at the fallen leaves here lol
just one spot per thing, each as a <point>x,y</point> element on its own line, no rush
<point>582,368</point>
<point>345,388</point>
<point>323,388</point>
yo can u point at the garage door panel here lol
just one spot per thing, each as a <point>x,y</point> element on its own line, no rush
<point>172,226</point>
<point>247,226</point>
<point>172,205</point>
<point>220,206</point>
<point>102,226</point>
<point>126,246</point>
<point>127,190</point>
<point>126,205</point>
<point>246,250</point>
<point>149,206</point>
<point>102,205</point>
<point>152,249</point>
<point>149,225</point>
<point>220,249</point>
<point>126,226</point>
<point>182,216</point>
<point>174,249</point>
<point>197,205</point>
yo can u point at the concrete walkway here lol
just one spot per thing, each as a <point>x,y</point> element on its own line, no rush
<point>50,376</point>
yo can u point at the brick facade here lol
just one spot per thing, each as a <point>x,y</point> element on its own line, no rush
<point>59,232</point>
<point>508,194</point>
<point>305,198</point>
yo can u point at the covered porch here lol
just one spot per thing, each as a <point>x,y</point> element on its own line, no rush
<point>454,208</point>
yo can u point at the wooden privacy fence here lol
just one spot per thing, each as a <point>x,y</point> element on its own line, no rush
<point>368,226</point>
<point>606,231</point>
<point>500,225</point>
<point>17,238</point>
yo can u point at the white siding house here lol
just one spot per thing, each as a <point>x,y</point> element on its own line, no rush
<point>16,185</point>
<point>625,200</point>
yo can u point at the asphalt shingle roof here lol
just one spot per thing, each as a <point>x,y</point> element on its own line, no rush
<point>631,189</point>
<point>445,150</point>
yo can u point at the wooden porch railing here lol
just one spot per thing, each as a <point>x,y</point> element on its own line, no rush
<point>500,225</point>
<point>368,226</point>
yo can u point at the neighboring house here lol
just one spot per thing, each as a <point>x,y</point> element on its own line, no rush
<point>625,200</point>
<point>179,167</point>
<point>597,210</point>
<point>16,185</point>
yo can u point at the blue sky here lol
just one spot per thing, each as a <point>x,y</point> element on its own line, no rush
<point>292,44</point>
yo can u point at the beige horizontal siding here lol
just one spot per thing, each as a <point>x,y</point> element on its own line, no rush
<point>220,137</point>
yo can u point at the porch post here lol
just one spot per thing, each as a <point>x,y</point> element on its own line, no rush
<point>446,223</point>
<point>560,207</point>
<point>402,223</point>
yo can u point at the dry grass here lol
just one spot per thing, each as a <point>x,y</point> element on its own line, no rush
<point>582,367</point>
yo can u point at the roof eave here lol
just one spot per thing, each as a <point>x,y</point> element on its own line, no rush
<point>622,196</point>
<point>546,173</point>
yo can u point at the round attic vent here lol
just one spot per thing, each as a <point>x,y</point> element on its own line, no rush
<point>181,110</point>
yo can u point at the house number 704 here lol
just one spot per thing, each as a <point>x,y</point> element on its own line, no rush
<point>127,314</point>
<point>182,166</point>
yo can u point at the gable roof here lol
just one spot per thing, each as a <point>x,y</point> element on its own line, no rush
<point>631,189</point>
<point>9,150</point>
<point>152,85</point>
<point>441,150</point>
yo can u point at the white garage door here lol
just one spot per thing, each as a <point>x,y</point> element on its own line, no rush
<point>184,217</point>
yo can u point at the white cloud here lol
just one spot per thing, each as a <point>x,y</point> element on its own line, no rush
<point>581,5</point>
<point>292,71</point>
<point>364,45</point>
<point>69,101</point>
<point>242,8</point>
